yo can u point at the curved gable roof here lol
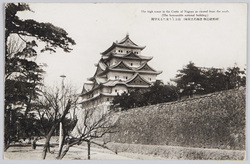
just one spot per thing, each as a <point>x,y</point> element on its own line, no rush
<point>127,41</point>
<point>137,80</point>
<point>102,65</point>
<point>87,87</point>
<point>121,65</point>
<point>132,55</point>
<point>145,67</point>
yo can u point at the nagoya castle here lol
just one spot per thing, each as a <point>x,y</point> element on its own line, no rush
<point>122,68</point>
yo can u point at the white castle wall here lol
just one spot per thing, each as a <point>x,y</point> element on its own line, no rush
<point>106,90</point>
<point>149,77</point>
<point>119,89</point>
<point>121,76</point>
<point>130,63</point>
<point>126,50</point>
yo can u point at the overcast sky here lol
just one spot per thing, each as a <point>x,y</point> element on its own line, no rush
<point>171,43</point>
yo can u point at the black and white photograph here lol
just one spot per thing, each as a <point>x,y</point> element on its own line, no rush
<point>124,81</point>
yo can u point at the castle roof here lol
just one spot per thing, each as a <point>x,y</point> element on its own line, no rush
<point>127,40</point>
<point>87,87</point>
<point>122,67</point>
<point>102,65</point>
<point>130,55</point>
<point>137,79</point>
<point>134,81</point>
<point>146,67</point>
<point>96,96</point>
<point>126,43</point>
<point>102,69</point>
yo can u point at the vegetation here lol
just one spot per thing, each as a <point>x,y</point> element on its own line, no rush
<point>157,93</point>
<point>93,123</point>
<point>57,106</point>
<point>178,152</point>
<point>23,76</point>
<point>198,80</point>
<point>190,80</point>
<point>32,110</point>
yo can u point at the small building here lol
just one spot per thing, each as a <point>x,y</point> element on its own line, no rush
<point>121,68</point>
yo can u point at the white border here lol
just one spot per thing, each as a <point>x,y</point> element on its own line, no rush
<point>115,161</point>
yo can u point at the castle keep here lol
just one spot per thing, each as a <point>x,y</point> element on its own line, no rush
<point>121,68</point>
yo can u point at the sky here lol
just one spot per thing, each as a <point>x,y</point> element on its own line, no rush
<point>94,27</point>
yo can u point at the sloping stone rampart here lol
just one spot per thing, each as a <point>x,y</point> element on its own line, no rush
<point>215,120</point>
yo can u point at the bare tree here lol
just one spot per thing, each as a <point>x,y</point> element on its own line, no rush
<point>56,106</point>
<point>92,123</point>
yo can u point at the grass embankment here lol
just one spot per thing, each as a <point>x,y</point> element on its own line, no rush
<point>178,153</point>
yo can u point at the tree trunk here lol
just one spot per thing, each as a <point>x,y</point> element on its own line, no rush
<point>88,150</point>
<point>46,145</point>
<point>63,141</point>
<point>64,152</point>
<point>34,143</point>
<point>6,143</point>
<point>6,128</point>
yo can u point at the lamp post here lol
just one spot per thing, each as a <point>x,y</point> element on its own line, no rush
<point>60,125</point>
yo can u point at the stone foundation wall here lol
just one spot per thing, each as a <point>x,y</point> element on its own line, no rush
<point>215,120</point>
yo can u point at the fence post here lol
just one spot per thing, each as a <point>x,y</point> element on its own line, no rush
<point>88,150</point>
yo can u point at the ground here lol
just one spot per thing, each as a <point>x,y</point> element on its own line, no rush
<point>125,152</point>
<point>75,153</point>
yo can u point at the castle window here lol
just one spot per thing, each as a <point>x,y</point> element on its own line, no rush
<point>131,64</point>
<point>107,99</point>
<point>116,90</point>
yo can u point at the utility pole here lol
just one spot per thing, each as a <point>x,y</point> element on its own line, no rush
<point>60,125</point>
